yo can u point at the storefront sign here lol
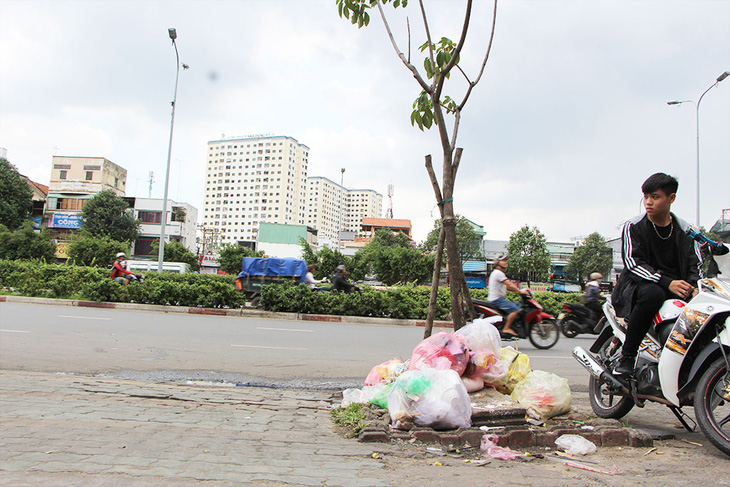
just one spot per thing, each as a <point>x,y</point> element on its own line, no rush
<point>65,220</point>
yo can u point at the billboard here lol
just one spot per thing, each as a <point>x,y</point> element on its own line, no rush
<point>65,220</point>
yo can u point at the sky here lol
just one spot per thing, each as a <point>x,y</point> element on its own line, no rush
<point>567,121</point>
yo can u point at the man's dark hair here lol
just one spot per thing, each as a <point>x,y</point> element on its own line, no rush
<point>662,181</point>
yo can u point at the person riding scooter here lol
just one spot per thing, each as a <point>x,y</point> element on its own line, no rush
<point>120,273</point>
<point>593,295</point>
<point>498,287</point>
<point>339,283</point>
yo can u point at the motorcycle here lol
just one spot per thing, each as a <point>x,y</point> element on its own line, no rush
<point>576,319</point>
<point>532,322</point>
<point>684,360</point>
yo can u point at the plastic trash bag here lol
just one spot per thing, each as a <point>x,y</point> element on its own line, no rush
<point>489,446</point>
<point>519,367</point>
<point>380,398</point>
<point>362,396</point>
<point>385,372</point>
<point>496,372</point>
<point>482,334</point>
<point>429,397</point>
<point>544,393</point>
<point>575,445</point>
<point>472,384</point>
<point>441,351</point>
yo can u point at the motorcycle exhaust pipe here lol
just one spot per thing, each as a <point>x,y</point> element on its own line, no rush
<point>596,369</point>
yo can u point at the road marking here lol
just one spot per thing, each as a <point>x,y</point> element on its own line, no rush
<point>83,317</point>
<point>269,348</point>
<point>282,329</point>
<point>16,331</point>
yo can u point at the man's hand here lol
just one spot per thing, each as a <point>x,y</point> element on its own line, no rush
<point>683,289</point>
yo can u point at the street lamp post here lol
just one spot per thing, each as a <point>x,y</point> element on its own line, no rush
<point>697,121</point>
<point>160,258</point>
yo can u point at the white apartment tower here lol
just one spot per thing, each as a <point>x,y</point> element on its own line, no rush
<point>254,179</point>
<point>331,207</point>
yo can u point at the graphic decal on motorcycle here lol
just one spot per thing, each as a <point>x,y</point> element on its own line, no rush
<point>650,346</point>
<point>687,326</point>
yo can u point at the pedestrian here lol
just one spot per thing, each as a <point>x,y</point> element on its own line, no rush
<point>660,260</point>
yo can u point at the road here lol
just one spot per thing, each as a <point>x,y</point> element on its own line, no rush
<point>141,344</point>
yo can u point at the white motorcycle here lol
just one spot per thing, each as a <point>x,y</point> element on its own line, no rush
<point>684,360</point>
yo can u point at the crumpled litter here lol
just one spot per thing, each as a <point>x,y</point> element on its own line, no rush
<point>386,372</point>
<point>489,446</point>
<point>544,394</point>
<point>575,445</point>
<point>441,351</point>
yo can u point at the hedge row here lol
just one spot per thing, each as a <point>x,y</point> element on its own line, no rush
<point>33,278</point>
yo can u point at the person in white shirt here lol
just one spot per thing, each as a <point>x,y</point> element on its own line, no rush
<point>498,287</point>
<point>309,279</point>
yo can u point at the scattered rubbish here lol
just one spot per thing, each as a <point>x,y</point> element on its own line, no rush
<point>535,422</point>
<point>375,455</point>
<point>478,463</point>
<point>438,464</point>
<point>587,428</point>
<point>568,455</point>
<point>613,471</point>
<point>435,451</point>
<point>650,451</point>
<point>544,393</point>
<point>489,446</point>
<point>491,428</point>
<point>575,445</point>
<point>518,368</point>
<point>690,442</point>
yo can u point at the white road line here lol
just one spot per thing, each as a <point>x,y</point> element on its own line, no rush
<point>16,331</point>
<point>269,348</point>
<point>282,329</point>
<point>83,317</point>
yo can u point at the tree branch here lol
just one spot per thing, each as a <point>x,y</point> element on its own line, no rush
<point>486,57</point>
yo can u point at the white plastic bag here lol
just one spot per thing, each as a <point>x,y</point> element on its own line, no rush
<point>575,445</point>
<point>544,393</point>
<point>482,334</point>
<point>363,396</point>
<point>429,397</point>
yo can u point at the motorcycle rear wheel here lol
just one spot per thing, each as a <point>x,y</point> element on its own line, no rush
<point>569,329</point>
<point>712,405</point>
<point>544,335</point>
<point>603,402</point>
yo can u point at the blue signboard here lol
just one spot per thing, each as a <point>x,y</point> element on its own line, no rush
<point>65,220</point>
<point>476,282</point>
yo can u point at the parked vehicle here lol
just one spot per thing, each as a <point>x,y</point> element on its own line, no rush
<point>257,272</point>
<point>152,265</point>
<point>684,360</point>
<point>576,319</point>
<point>532,323</point>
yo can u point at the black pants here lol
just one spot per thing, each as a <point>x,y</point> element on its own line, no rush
<point>648,298</point>
<point>596,311</point>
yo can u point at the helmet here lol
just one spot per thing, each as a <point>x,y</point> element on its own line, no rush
<point>121,254</point>
<point>501,257</point>
<point>596,276</point>
<point>340,268</point>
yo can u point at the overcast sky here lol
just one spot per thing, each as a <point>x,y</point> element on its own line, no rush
<point>569,119</point>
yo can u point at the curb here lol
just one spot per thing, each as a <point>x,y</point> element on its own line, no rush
<point>239,313</point>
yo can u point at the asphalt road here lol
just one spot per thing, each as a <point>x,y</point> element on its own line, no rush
<point>142,344</point>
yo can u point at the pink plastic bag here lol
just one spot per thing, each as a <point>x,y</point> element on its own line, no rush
<point>441,351</point>
<point>385,372</point>
<point>489,446</point>
<point>479,362</point>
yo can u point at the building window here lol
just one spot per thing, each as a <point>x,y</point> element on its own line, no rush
<point>89,175</point>
<point>70,204</point>
<point>62,174</point>
<point>149,217</point>
<point>143,246</point>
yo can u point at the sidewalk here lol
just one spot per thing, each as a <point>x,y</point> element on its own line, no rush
<point>74,430</point>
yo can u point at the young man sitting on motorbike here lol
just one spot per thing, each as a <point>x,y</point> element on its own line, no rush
<point>498,287</point>
<point>339,283</point>
<point>660,262</point>
<point>593,295</point>
<point>119,270</point>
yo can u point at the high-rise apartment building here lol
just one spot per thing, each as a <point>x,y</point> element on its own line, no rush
<point>254,179</point>
<point>332,207</point>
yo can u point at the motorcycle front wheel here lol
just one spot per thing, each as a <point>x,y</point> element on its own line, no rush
<point>544,334</point>
<point>712,405</point>
<point>604,402</point>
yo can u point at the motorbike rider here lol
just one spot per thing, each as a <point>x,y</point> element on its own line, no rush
<point>119,270</point>
<point>660,262</point>
<point>593,294</point>
<point>498,287</point>
<point>309,279</point>
<point>339,283</point>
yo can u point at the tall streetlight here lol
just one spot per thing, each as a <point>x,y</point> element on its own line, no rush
<point>160,258</point>
<point>697,119</point>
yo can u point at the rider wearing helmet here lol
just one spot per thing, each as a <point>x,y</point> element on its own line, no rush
<point>119,269</point>
<point>593,294</point>
<point>339,283</point>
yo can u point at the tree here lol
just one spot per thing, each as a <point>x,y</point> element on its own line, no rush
<point>393,258</point>
<point>25,243</point>
<point>97,251</point>
<point>231,257</point>
<point>594,255</point>
<point>106,214</point>
<point>16,198</point>
<point>529,258</point>
<point>469,240</point>
<point>177,252</point>
<point>431,107</point>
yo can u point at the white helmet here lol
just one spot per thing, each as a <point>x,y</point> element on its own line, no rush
<point>596,276</point>
<point>121,254</point>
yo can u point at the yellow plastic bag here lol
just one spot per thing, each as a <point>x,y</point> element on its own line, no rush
<point>544,394</point>
<point>519,367</point>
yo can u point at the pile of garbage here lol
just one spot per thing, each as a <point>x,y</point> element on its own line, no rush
<point>432,388</point>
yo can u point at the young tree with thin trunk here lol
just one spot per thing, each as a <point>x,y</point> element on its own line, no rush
<point>431,107</point>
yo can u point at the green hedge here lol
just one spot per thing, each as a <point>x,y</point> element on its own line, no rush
<point>33,278</point>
